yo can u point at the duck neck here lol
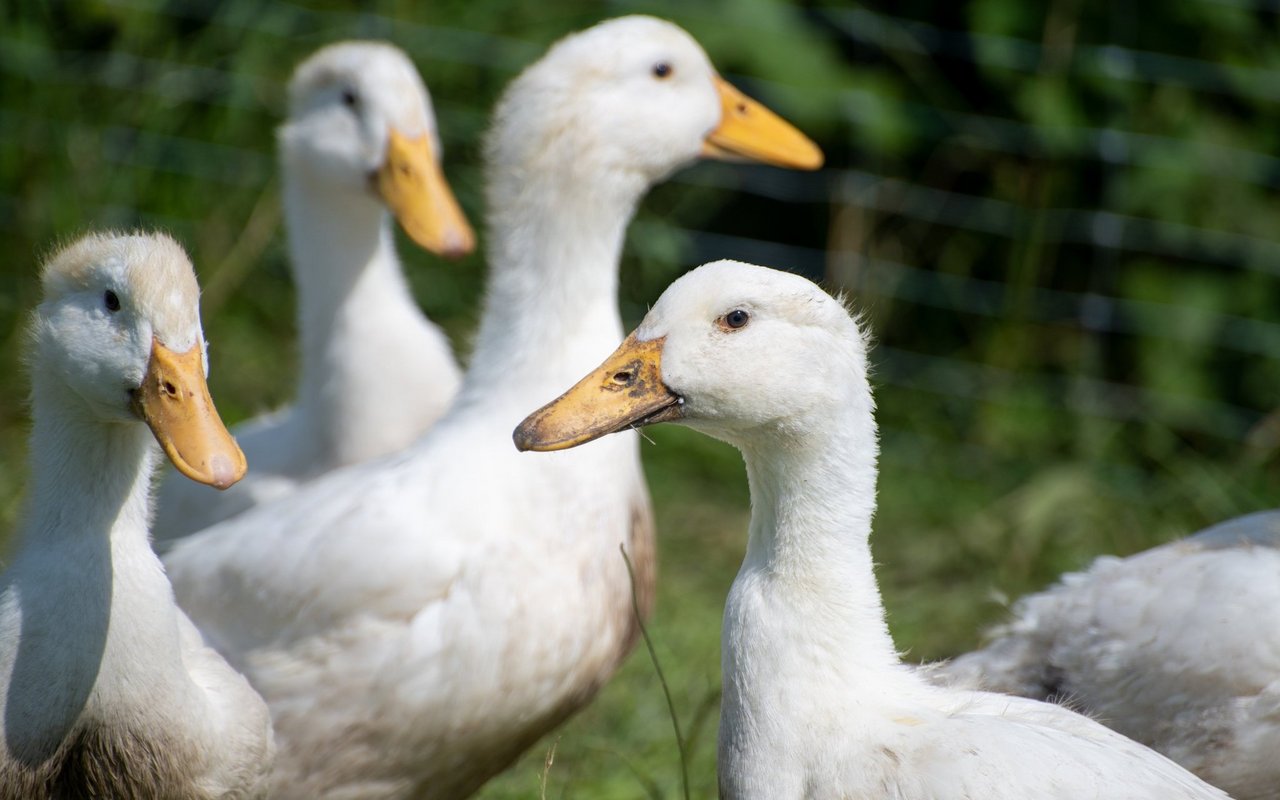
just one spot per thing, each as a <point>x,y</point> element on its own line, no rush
<point>90,479</point>
<point>352,296</point>
<point>85,569</point>
<point>809,554</point>
<point>550,312</point>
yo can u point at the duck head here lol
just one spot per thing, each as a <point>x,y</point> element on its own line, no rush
<point>361,122</point>
<point>119,329</point>
<point>736,350</point>
<point>633,98</point>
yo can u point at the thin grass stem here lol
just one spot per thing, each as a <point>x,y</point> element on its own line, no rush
<point>657,667</point>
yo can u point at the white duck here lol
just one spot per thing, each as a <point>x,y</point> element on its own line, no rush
<point>816,702</point>
<point>416,622</point>
<point>1177,646</point>
<point>360,139</point>
<point>106,689</point>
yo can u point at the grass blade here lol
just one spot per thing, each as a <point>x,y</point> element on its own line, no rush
<point>653,656</point>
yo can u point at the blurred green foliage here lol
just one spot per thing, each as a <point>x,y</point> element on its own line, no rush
<point>1058,218</point>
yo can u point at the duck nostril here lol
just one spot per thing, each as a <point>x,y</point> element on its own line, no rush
<point>623,378</point>
<point>742,108</point>
<point>170,389</point>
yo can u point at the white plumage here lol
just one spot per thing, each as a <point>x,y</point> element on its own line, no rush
<point>376,373</point>
<point>106,689</point>
<point>417,621</point>
<point>1177,646</point>
<point>816,701</point>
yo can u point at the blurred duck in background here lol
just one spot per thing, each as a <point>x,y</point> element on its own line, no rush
<point>816,701</point>
<point>360,140</point>
<point>1177,646</point>
<point>108,690</point>
<point>416,622</point>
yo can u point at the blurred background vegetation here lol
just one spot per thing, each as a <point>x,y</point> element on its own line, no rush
<point>1059,218</point>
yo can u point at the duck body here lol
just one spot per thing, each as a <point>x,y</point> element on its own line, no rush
<point>817,703</point>
<point>106,688</point>
<point>376,373</point>
<point>1177,646</point>
<point>413,695</point>
<point>437,610</point>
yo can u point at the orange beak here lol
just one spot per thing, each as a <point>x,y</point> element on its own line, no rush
<point>412,185</point>
<point>626,391</point>
<point>749,131</point>
<point>174,401</point>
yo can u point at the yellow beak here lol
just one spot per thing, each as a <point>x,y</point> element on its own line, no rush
<point>626,391</point>
<point>174,401</point>
<point>413,187</point>
<point>749,131</point>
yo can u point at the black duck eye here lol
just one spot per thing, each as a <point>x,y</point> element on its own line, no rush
<point>111,301</point>
<point>349,98</point>
<point>735,319</point>
<point>662,70</point>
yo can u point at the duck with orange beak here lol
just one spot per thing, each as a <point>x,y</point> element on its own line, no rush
<point>360,147</point>
<point>106,689</point>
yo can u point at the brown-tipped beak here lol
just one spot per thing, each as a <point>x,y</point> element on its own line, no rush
<point>749,131</point>
<point>411,184</point>
<point>626,391</point>
<point>174,401</point>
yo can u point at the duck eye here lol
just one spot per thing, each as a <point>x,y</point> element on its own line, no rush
<point>111,301</point>
<point>735,319</point>
<point>662,70</point>
<point>349,98</point>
